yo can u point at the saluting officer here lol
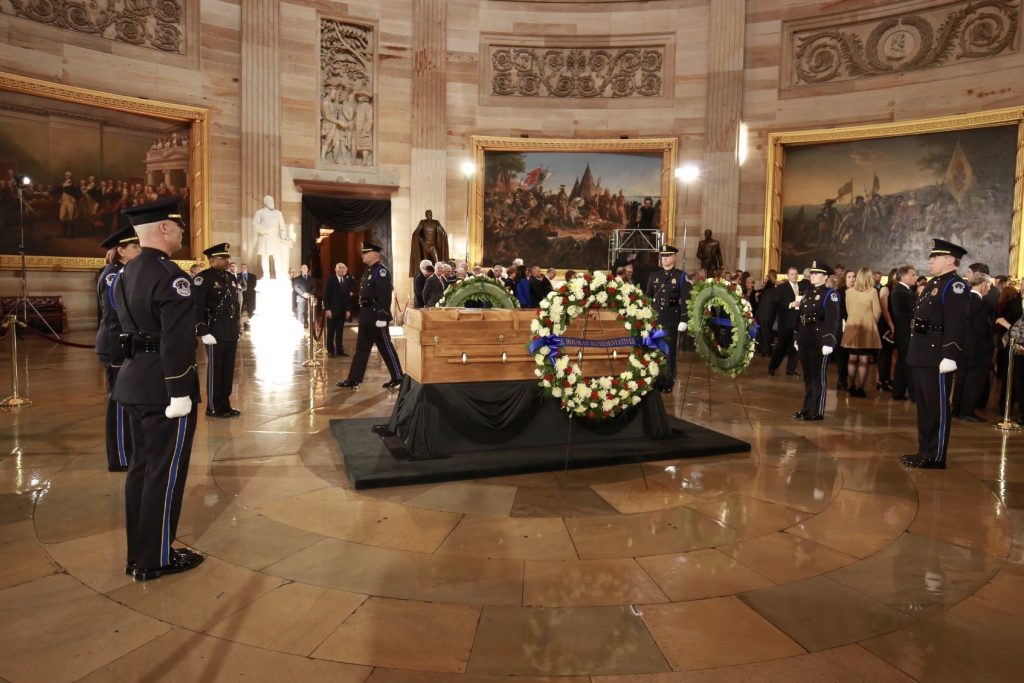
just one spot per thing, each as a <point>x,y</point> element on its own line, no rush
<point>122,247</point>
<point>816,337</point>
<point>936,345</point>
<point>374,314</point>
<point>218,320</point>
<point>159,389</point>
<point>669,289</point>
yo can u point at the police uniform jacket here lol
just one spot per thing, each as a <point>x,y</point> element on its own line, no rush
<point>820,317</point>
<point>216,298</point>
<point>108,336</point>
<point>668,291</point>
<point>940,322</point>
<point>338,293</point>
<point>153,300</point>
<point>375,290</point>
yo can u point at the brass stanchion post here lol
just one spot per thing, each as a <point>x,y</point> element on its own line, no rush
<point>14,400</point>
<point>1008,425</point>
<point>311,355</point>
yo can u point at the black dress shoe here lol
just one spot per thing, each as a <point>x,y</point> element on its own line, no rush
<point>771,372</point>
<point>118,469</point>
<point>181,561</point>
<point>216,413</point>
<point>348,384</point>
<point>342,354</point>
<point>812,418</point>
<point>129,568</point>
<point>794,373</point>
<point>798,415</point>
<point>393,383</point>
<point>901,398</point>
<point>232,412</point>
<point>923,464</point>
<point>911,459</point>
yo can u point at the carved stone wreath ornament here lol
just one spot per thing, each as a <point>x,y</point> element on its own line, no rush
<point>896,44</point>
<point>157,24</point>
<point>577,72</point>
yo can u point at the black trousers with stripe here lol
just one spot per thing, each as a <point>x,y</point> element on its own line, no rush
<point>932,393</point>
<point>155,483</point>
<point>220,374</point>
<point>119,433</point>
<point>814,366</point>
<point>369,336</point>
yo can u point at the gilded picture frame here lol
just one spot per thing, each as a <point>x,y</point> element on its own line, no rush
<point>614,163</point>
<point>195,119</point>
<point>919,137</point>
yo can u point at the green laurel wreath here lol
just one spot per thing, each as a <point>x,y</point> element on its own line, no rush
<point>479,288</point>
<point>728,298</point>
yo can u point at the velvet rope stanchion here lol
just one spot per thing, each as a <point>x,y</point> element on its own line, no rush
<point>14,400</point>
<point>311,354</point>
<point>56,340</point>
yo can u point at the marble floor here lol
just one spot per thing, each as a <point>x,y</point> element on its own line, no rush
<point>813,558</point>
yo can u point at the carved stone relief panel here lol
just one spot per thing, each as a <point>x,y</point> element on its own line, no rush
<point>899,39</point>
<point>154,24</point>
<point>347,101</point>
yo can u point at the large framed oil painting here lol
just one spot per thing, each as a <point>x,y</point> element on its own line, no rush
<point>87,155</point>
<point>555,203</point>
<point>875,195</point>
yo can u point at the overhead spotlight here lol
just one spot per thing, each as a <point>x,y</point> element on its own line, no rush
<point>23,179</point>
<point>687,173</point>
<point>468,169</point>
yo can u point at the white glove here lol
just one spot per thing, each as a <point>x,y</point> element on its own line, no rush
<point>180,407</point>
<point>682,327</point>
<point>947,365</point>
<point>209,340</point>
<point>381,323</point>
<point>796,347</point>
<point>826,350</point>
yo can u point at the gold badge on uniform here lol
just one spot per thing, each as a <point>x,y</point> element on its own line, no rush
<point>673,280</point>
<point>935,292</point>
<point>817,297</point>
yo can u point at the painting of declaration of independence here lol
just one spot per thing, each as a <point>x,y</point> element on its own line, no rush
<point>877,202</point>
<point>558,209</point>
<point>84,165</point>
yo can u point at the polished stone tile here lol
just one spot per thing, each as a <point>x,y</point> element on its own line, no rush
<point>186,656</point>
<point>884,477</point>
<point>23,558</point>
<point>467,498</point>
<point>560,502</point>
<point>563,641</point>
<point>980,522</point>
<point>261,480</point>
<point>97,561</point>
<point>539,538</point>
<point>642,495</point>
<point>782,557</point>
<point>749,516</point>
<point>55,629</point>
<point>260,443</point>
<point>858,524</point>
<point>653,533</point>
<point>706,477</point>
<point>715,632</point>
<point>398,574</point>
<point>80,504</point>
<point>252,542</point>
<point>293,618</point>
<point>701,574</point>
<point>588,582</point>
<point>807,490</point>
<point>398,676</point>
<point>402,634</point>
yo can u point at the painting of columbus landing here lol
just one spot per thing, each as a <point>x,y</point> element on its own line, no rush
<point>876,202</point>
<point>558,209</point>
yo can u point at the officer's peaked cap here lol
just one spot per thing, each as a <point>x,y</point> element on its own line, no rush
<point>121,238</point>
<point>821,267</point>
<point>944,248</point>
<point>163,209</point>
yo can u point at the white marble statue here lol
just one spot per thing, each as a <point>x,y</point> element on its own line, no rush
<point>273,240</point>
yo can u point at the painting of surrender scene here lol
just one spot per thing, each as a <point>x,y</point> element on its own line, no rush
<point>84,164</point>
<point>558,209</point>
<point>877,202</point>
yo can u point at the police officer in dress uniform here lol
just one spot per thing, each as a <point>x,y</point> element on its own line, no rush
<point>936,346</point>
<point>669,289</point>
<point>122,247</point>
<point>816,338</point>
<point>218,320</point>
<point>375,289</point>
<point>159,389</point>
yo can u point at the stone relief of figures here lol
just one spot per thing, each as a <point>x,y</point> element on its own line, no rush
<point>346,99</point>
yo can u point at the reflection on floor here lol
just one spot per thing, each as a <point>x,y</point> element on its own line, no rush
<point>816,557</point>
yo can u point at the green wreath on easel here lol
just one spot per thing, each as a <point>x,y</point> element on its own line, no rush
<point>481,289</point>
<point>720,304</point>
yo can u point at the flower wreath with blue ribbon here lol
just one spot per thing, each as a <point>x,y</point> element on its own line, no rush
<point>561,374</point>
<point>722,325</point>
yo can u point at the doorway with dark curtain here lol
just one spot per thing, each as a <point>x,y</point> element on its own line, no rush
<point>352,222</point>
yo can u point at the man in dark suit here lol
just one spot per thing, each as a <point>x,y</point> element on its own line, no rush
<point>419,281</point>
<point>433,289</point>
<point>304,287</point>
<point>978,347</point>
<point>786,301</point>
<point>540,286</point>
<point>338,292</point>
<point>247,283</point>
<point>901,305</point>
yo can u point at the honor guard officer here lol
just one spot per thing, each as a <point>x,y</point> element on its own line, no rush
<point>159,389</point>
<point>121,248</point>
<point>669,289</point>
<point>374,314</point>
<point>937,334</point>
<point>218,319</point>
<point>816,337</point>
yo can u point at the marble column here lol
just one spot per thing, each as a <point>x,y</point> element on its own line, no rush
<point>261,112</point>
<point>720,181</point>
<point>429,80</point>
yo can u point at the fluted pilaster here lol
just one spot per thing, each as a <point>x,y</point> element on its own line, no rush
<point>429,80</point>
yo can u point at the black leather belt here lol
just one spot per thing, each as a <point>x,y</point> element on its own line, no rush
<point>813,319</point>
<point>134,344</point>
<point>922,326</point>
<point>368,302</point>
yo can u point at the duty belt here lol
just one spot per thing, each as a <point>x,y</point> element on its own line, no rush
<point>810,319</point>
<point>368,302</point>
<point>134,344</point>
<point>922,326</point>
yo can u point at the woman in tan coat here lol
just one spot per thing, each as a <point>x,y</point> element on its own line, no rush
<point>861,334</point>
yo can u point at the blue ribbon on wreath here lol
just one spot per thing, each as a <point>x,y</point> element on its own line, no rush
<point>654,341</point>
<point>726,322</point>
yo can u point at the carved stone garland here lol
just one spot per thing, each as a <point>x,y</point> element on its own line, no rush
<point>157,24</point>
<point>577,72</point>
<point>346,93</point>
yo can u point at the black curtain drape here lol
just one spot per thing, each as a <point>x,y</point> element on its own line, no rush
<point>344,215</point>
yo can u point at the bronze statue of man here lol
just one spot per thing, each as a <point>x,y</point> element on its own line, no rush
<point>709,253</point>
<point>429,241</point>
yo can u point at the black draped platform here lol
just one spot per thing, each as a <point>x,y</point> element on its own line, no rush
<point>445,432</point>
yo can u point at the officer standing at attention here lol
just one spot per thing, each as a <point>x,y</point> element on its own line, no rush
<point>159,389</point>
<point>937,334</point>
<point>375,289</point>
<point>218,320</point>
<point>820,318</point>
<point>121,248</point>
<point>669,289</point>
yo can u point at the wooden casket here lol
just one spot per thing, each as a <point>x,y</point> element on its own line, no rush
<point>490,345</point>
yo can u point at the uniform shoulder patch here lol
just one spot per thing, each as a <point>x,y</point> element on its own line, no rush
<point>383,272</point>
<point>959,287</point>
<point>834,297</point>
<point>110,278</point>
<point>182,286</point>
<point>198,280</point>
